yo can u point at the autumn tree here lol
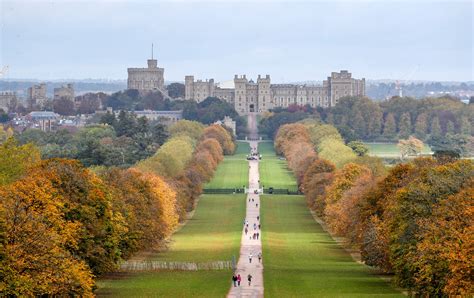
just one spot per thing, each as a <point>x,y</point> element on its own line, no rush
<point>39,241</point>
<point>410,147</point>
<point>446,251</point>
<point>344,180</point>
<point>317,177</point>
<point>221,135</point>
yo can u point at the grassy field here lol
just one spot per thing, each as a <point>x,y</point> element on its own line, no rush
<point>213,234</point>
<point>389,149</point>
<point>233,171</point>
<point>273,171</point>
<point>302,260</point>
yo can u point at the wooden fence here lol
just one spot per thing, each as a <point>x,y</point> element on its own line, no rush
<point>137,266</point>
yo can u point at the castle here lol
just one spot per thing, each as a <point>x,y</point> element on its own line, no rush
<point>147,79</point>
<point>249,96</point>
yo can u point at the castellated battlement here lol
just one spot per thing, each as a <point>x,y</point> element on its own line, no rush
<point>248,96</point>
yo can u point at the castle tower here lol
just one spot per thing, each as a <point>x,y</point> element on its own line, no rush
<point>240,84</point>
<point>147,79</point>
<point>189,87</point>
<point>264,94</point>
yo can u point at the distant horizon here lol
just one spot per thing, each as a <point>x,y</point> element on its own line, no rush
<point>292,41</point>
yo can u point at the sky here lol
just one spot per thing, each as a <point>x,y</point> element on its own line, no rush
<point>289,40</point>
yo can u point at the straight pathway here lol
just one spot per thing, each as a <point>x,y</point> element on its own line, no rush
<point>248,245</point>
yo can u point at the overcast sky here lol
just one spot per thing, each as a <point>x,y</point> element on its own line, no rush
<point>290,40</point>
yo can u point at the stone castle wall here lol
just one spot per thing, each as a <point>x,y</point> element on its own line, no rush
<point>248,96</point>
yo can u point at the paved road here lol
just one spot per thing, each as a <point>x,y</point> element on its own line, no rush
<point>248,245</point>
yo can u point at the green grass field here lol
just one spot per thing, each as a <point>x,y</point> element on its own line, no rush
<point>213,234</point>
<point>233,171</point>
<point>390,149</point>
<point>273,171</point>
<point>302,260</point>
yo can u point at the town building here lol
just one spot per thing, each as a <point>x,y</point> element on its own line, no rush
<point>249,96</point>
<point>43,120</point>
<point>165,117</point>
<point>36,95</point>
<point>7,100</point>
<point>66,92</point>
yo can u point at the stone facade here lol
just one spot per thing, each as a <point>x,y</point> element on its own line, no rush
<point>248,96</point>
<point>146,79</point>
<point>7,99</point>
<point>64,92</point>
<point>36,95</point>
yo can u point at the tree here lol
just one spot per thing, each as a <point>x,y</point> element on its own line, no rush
<point>412,206</point>
<point>412,146</point>
<point>192,129</point>
<point>37,261</point>
<point>344,180</point>
<point>404,126</point>
<point>435,128</point>
<point>16,160</point>
<point>64,106</point>
<point>222,136</point>
<point>446,251</point>
<point>359,148</point>
<point>465,126</point>
<point>175,90</point>
<point>317,177</point>
<point>450,128</point>
<point>336,151</point>
<point>421,126</point>
<point>389,128</point>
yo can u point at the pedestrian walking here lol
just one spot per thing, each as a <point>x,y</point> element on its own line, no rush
<point>246,231</point>
<point>234,280</point>
<point>254,226</point>
<point>259,226</point>
<point>259,257</point>
<point>249,278</point>
<point>250,257</point>
<point>239,279</point>
<point>258,217</point>
<point>258,235</point>
<point>256,205</point>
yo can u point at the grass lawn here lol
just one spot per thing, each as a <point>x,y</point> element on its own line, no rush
<point>390,149</point>
<point>213,234</point>
<point>233,171</point>
<point>273,171</point>
<point>302,260</point>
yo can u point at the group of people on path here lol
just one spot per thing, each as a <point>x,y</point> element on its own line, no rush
<point>236,279</point>
<point>256,235</point>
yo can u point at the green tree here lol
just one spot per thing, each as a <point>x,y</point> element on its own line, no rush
<point>421,126</point>
<point>389,128</point>
<point>358,147</point>
<point>64,106</point>
<point>465,126</point>
<point>435,128</point>
<point>16,160</point>
<point>404,126</point>
<point>450,128</point>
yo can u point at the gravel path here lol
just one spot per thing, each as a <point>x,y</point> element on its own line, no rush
<point>249,245</point>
